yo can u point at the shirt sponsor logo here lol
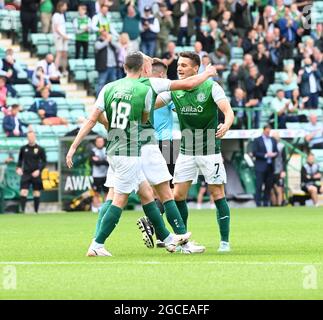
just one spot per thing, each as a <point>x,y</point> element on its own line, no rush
<point>191,110</point>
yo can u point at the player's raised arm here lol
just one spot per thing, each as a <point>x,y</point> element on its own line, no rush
<point>84,131</point>
<point>163,99</point>
<point>193,81</point>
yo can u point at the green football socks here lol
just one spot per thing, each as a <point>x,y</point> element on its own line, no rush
<point>223,218</point>
<point>152,212</point>
<point>108,223</point>
<point>182,208</point>
<point>103,210</point>
<point>174,217</point>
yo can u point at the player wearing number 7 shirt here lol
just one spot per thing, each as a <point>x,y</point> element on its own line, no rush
<point>197,112</point>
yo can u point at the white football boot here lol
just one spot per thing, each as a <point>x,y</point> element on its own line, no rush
<point>174,240</point>
<point>190,247</point>
<point>224,247</point>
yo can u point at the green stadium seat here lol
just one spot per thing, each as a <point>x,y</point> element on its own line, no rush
<point>70,16</point>
<point>52,156</point>
<point>89,64</point>
<point>238,61</point>
<point>76,105</point>
<point>26,102</point>
<point>236,53</point>
<point>64,114</point>
<point>29,117</point>
<point>15,143</point>
<point>266,101</point>
<point>76,114</point>
<point>294,125</point>
<point>3,144</point>
<point>42,130</point>
<point>24,90</point>
<point>41,43</point>
<point>57,88</point>
<point>60,131</point>
<point>11,101</point>
<point>3,157</point>
<point>272,89</point>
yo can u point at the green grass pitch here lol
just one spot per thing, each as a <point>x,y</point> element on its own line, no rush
<point>277,253</point>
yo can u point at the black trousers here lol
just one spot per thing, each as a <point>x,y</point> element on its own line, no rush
<point>264,178</point>
<point>78,46</point>
<point>29,24</point>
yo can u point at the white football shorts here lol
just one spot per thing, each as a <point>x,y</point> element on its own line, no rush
<point>187,168</point>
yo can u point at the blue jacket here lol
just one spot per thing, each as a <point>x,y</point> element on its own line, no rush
<point>49,106</point>
<point>259,150</point>
<point>305,82</point>
<point>9,125</point>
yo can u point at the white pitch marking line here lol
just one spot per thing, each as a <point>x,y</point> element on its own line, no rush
<point>260,263</point>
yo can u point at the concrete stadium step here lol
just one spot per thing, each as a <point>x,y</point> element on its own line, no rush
<point>76,94</point>
<point>69,86</point>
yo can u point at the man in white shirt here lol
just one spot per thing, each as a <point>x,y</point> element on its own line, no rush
<point>314,133</point>
<point>50,69</point>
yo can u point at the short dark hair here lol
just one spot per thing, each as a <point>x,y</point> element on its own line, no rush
<point>267,126</point>
<point>15,106</point>
<point>3,78</point>
<point>159,64</point>
<point>82,5</point>
<point>194,57</point>
<point>134,61</point>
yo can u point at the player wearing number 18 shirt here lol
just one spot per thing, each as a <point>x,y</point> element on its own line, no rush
<point>127,103</point>
<point>197,111</point>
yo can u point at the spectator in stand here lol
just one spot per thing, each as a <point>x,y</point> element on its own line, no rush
<point>218,9</point>
<point>12,126</point>
<point>277,193</point>
<point>101,21</point>
<point>289,78</point>
<point>82,27</point>
<point>47,110</point>
<point>40,81</point>
<point>214,36</point>
<point>171,58</point>
<point>50,69</point>
<point>239,101</point>
<point>131,21</point>
<point>3,95</point>
<point>226,24</point>
<point>31,162</point>
<point>60,36</point>
<point>233,78</point>
<point>297,101</point>
<point>46,10</point>
<point>317,35</point>
<point>311,179</point>
<point>309,79</point>
<point>265,151</point>
<point>198,49</point>
<point>203,35</point>
<point>242,17</point>
<point>10,69</point>
<point>184,14</point>
<point>219,59</point>
<point>255,92</point>
<point>124,47</point>
<point>288,29</point>
<point>29,19</point>
<point>106,59</point>
<point>149,28</point>
<point>264,64</point>
<point>100,165</point>
<point>314,133</point>
<point>165,19</point>
<point>249,44</point>
<point>244,70</point>
<point>284,109</point>
<point>198,5</point>
<point>318,60</point>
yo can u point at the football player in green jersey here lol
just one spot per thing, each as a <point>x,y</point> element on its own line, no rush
<point>197,111</point>
<point>127,104</point>
<point>153,163</point>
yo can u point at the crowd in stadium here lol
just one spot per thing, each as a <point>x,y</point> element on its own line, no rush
<point>262,49</point>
